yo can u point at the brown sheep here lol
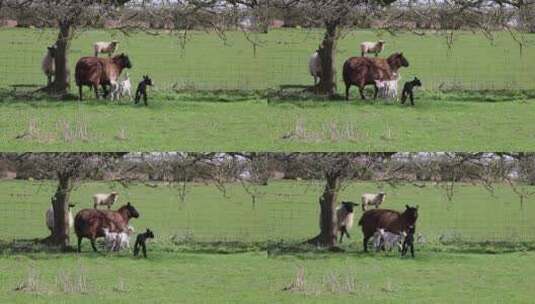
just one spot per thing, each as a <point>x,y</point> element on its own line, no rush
<point>90,223</point>
<point>95,71</point>
<point>389,220</point>
<point>363,71</point>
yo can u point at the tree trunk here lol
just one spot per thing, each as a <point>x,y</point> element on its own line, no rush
<point>328,230</point>
<point>60,203</point>
<point>327,52</point>
<point>60,84</point>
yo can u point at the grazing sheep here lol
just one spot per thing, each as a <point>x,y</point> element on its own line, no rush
<point>375,199</point>
<point>344,218</point>
<point>142,89</point>
<point>314,67</point>
<point>106,199</point>
<point>141,240</point>
<point>390,220</point>
<point>123,88</point>
<point>48,64</point>
<point>372,47</point>
<point>90,223</point>
<point>94,72</point>
<point>363,71</point>
<point>50,218</point>
<point>105,47</point>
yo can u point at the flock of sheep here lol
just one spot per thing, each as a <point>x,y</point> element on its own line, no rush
<point>94,72</point>
<point>113,226</point>
<point>382,73</point>
<point>386,228</point>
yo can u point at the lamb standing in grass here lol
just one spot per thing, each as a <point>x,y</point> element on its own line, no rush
<point>111,239</point>
<point>372,47</point>
<point>105,47</point>
<point>375,199</point>
<point>387,240</point>
<point>123,88</point>
<point>344,218</point>
<point>314,66</point>
<point>106,199</point>
<point>50,218</point>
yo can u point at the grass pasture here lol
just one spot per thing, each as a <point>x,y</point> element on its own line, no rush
<point>490,116</point>
<point>212,248</point>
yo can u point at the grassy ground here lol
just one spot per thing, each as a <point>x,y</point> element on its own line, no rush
<point>206,122</point>
<point>186,262</point>
<point>223,121</point>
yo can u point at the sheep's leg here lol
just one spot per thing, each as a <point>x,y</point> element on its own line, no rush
<point>412,250</point>
<point>411,96</point>
<point>95,87</point>
<point>79,244</point>
<point>145,98</point>
<point>80,92</point>
<point>361,90</point>
<point>376,92</point>
<point>144,248</point>
<point>365,243</point>
<point>93,245</point>
<point>348,85</point>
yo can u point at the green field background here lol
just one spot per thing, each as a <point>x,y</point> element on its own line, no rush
<point>208,62</point>
<point>283,211</point>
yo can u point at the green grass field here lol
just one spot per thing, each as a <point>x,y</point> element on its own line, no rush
<point>203,121</point>
<point>186,262</point>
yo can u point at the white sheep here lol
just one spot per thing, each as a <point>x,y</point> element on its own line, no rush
<point>387,89</point>
<point>49,216</point>
<point>106,199</point>
<point>105,47</point>
<point>372,47</point>
<point>314,66</point>
<point>48,63</point>
<point>123,238</point>
<point>344,218</point>
<point>375,199</point>
<point>123,88</point>
<point>111,239</point>
<point>387,240</point>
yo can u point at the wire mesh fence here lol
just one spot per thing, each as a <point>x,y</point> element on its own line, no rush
<point>287,211</point>
<point>255,61</point>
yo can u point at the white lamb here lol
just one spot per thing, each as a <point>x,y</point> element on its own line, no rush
<point>375,199</point>
<point>387,240</point>
<point>106,199</point>
<point>111,239</point>
<point>50,218</point>
<point>314,66</point>
<point>105,47</point>
<point>122,88</point>
<point>372,47</point>
<point>123,238</point>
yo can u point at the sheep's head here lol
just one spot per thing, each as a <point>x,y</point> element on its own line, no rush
<point>382,194</point>
<point>72,205</point>
<point>147,80</point>
<point>348,206</point>
<point>114,42</point>
<point>132,212</point>
<point>381,42</point>
<point>411,213</point>
<point>149,234</point>
<point>416,82</point>
<point>397,60</point>
<point>52,50</point>
<point>123,61</point>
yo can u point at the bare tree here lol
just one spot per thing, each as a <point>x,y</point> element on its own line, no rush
<point>69,168</point>
<point>67,15</point>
